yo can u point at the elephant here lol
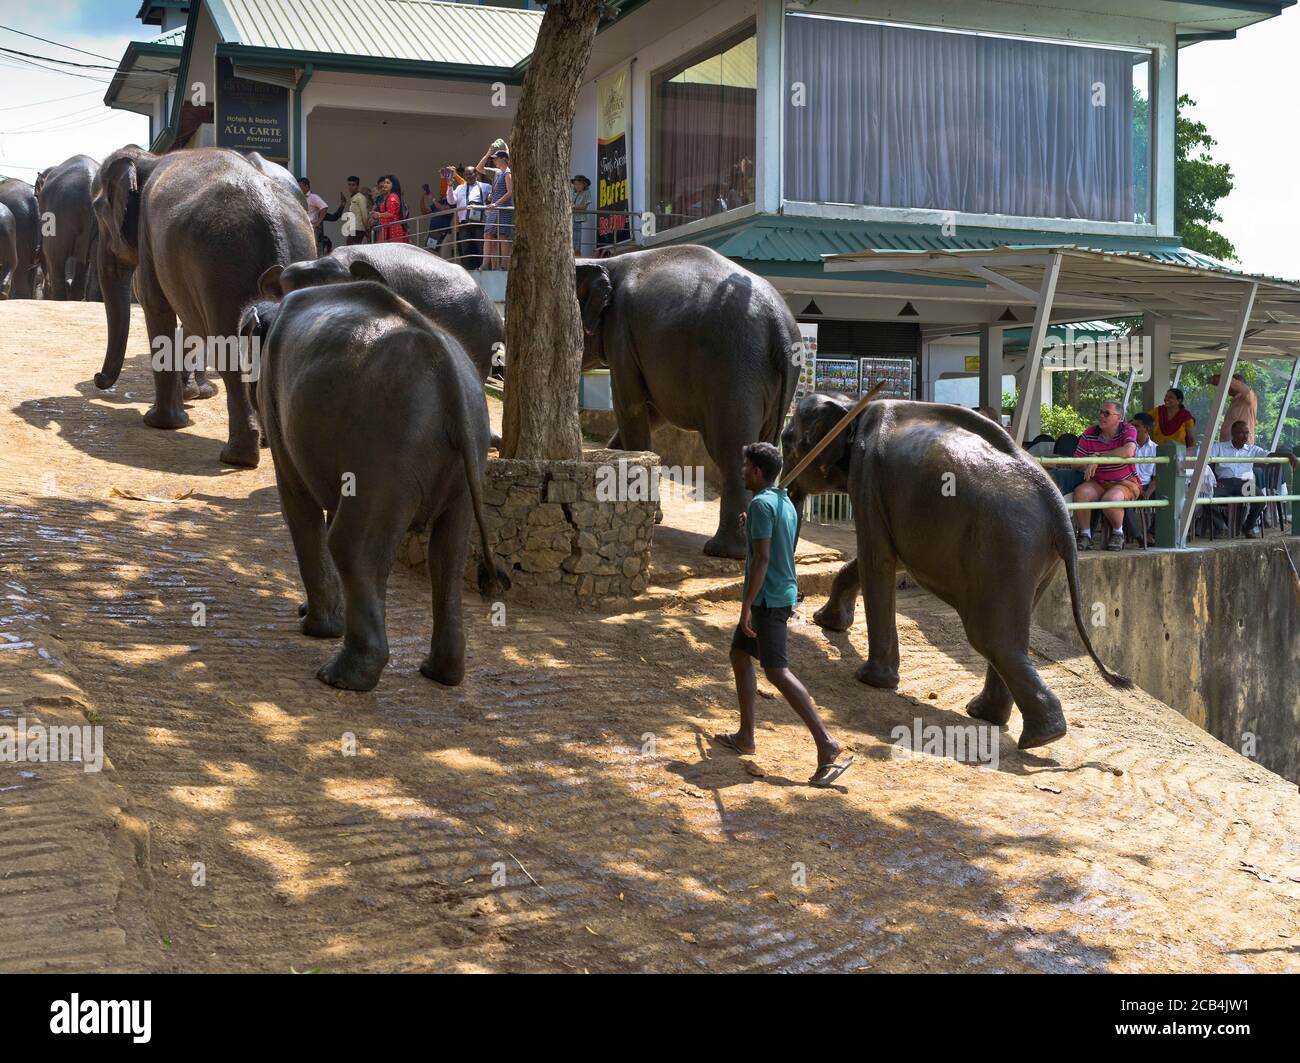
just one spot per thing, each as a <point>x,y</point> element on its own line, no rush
<point>70,243</point>
<point>443,291</point>
<point>693,340</point>
<point>197,228</point>
<point>947,494</point>
<point>8,250</point>
<point>20,198</point>
<point>377,424</point>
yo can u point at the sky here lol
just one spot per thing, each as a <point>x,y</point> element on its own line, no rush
<point>1247,92</point>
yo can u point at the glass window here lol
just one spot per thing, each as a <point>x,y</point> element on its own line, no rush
<point>898,116</point>
<point>703,128</point>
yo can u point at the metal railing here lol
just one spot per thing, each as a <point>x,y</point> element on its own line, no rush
<point>596,233</point>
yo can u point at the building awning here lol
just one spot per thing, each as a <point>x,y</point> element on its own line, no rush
<point>1201,301</point>
<point>145,72</point>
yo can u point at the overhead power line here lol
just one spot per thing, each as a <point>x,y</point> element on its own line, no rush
<point>57,44</point>
<point>55,59</point>
<point>46,103</point>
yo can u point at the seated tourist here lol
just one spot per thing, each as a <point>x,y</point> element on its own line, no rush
<point>1146,448</point>
<point>1234,480</point>
<point>1109,437</point>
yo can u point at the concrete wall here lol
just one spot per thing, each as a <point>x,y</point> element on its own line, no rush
<point>1213,632</point>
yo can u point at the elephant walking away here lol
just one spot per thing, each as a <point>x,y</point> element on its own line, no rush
<point>69,230</point>
<point>196,228</point>
<point>20,199</point>
<point>376,420</point>
<point>443,291</point>
<point>8,250</point>
<point>693,340</point>
<point>945,493</point>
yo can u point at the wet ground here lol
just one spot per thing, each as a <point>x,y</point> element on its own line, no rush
<point>563,809</point>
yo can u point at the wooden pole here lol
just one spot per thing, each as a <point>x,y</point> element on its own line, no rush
<point>825,440</point>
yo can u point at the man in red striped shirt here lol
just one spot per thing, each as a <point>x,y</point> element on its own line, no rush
<point>1110,437</point>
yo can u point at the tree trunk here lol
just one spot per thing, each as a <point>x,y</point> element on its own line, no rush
<point>543,329</point>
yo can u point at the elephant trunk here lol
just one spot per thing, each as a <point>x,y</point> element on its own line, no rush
<point>115,285</point>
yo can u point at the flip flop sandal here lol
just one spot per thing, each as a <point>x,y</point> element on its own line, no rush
<point>833,772</point>
<point>727,742</point>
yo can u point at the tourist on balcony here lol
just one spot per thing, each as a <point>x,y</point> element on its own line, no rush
<point>1110,437</point>
<point>1146,448</point>
<point>581,208</point>
<point>1238,480</point>
<point>500,230</point>
<point>1173,421</point>
<point>389,212</point>
<point>1243,406</point>
<point>317,208</point>
<point>469,199</point>
<point>354,209</point>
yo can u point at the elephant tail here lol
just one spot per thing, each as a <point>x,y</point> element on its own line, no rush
<point>785,348</point>
<point>1069,552</point>
<point>493,579</point>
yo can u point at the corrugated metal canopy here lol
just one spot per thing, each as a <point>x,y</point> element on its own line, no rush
<point>414,30</point>
<point>1200,301</point>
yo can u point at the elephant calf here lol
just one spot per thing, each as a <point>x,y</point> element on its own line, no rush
<point>947,494</point>
<point>377,423</point>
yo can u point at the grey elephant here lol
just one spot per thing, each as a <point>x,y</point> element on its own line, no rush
<point>20,199</point>
<point>947,494</point>
<point>377,423</point>
<point>8,250</point>
<point>70,242</point>
<point>693,340</point>
<point>196,228</point>
<point>443,291</point>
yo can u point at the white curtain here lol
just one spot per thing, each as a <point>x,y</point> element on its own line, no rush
<point>898,117</point>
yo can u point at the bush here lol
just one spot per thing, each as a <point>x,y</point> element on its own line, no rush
<point>1060,420</point>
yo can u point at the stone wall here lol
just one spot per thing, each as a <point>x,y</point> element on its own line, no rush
<point>573,529</point>
<point>1213,632</point>
<point>675,446</point>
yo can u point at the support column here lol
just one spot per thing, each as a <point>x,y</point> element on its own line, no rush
<point>1027,407</point>
<point>1155,338</point>
<point>1209,432</point>
<point>991,366</point>
<point>1286,405</point>
<point>772,94</point>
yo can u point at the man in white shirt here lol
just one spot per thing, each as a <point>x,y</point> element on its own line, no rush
<point>1235,480</point>
<point>317,208</point>
<point>469,199</point>
<point>1146,448</point>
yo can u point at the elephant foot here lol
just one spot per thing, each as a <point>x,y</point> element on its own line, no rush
<point>166,419</point>
<point>449,672</point>
<point>202,389</point>
<point>1043,730</point>
<point>876,675</point>
<point>244,454</point>
<point>834,617</point>
<point>349,670</point>
<point>982,707</point>
<point>725,546</point>
<point>324,626</point>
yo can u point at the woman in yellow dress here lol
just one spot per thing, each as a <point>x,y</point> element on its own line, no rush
<point>1172,421</point>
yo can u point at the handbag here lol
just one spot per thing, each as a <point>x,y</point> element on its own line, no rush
<point>474,217</point>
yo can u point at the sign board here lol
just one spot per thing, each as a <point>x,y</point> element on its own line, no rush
<point>612,188</point>
<point>972,363</point>
<point>808,367</point>
<point>840,375</point>
<point>252,115</point>
<point>895,372</point>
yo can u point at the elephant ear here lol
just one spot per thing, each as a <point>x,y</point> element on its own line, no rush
<point>362,270</point>
<point>118,202</point>
<point>270,284</point>
<point>821,420</point>
<point>594,292</point>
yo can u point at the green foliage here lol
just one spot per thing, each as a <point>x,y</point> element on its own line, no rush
<point>1199,184</point>
<point>1060,420</point>
<point>1008,402</point>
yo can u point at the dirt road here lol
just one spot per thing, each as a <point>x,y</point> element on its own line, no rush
<point>561,810</point>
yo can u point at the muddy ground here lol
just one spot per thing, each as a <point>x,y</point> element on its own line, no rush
<point>563,809</point>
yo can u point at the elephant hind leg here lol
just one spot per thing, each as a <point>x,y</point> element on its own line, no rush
<point>363,542</point>
<point>1007,652</point>
<point>322,613</point>
<point>994,703</point>
<point>837,613</point>
<point>448,546</point>
<point>168,409</point>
